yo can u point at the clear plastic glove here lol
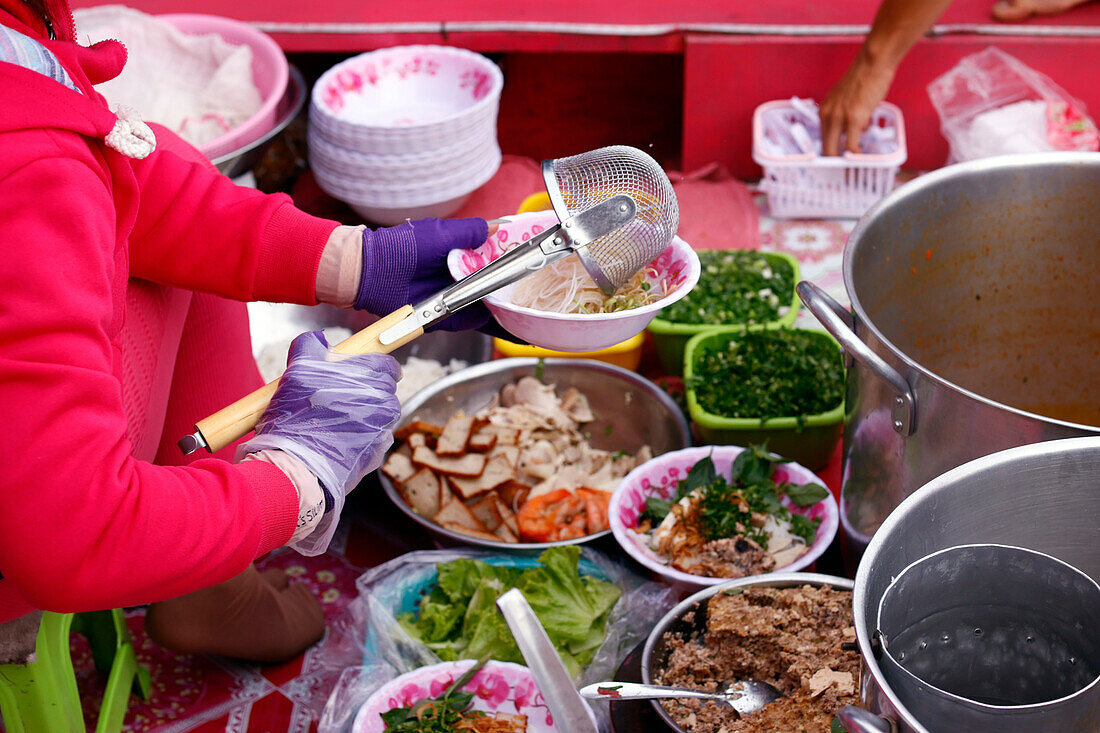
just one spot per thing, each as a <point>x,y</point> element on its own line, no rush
<point>335,413</point>
<point>405,264</point>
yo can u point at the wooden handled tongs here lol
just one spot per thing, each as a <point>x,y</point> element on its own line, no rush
<point>408,322</point>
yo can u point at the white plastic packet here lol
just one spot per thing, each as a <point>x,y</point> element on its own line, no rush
<point>796,130</point>
<point>991,103</point>
<point>200,87</point>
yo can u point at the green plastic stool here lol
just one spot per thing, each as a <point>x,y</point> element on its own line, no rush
<point>42,695</point>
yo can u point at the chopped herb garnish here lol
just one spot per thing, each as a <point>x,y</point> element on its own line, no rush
<point>438,714</point>
<point>804,527</point>
<point>540,368</point>
<point>768,374</point>
<point>725,508</point>
<point>736,286</point>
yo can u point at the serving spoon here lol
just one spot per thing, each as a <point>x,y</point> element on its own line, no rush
<point>744,696</point>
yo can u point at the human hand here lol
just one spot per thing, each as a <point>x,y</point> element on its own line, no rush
<point>405,264</point>
<point>850,103</point>
<point>334,413</point>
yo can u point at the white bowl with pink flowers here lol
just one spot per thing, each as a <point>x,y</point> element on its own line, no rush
<point>413,98</point>
<point>660,477</point>
<point>407,131</point>
<point>674,272</point>
<point>498,687</point>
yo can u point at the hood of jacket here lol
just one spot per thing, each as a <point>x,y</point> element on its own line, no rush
<point>33,100</point>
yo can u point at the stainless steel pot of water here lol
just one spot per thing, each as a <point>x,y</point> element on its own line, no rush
<point>1043,497</point>
<point>972,329</point>
<point>993,638</point>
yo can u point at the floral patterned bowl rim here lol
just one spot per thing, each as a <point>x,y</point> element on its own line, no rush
<point>660,476</point>
<point>353,75</point>
<point>498,687</point>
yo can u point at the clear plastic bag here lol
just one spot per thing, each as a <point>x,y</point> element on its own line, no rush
<point>387,649</point>
<point>991,103</point>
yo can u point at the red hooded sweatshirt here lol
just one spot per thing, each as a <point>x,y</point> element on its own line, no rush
<point>83,524</point>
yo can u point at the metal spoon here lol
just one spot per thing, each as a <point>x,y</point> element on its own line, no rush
<point>744,696</point>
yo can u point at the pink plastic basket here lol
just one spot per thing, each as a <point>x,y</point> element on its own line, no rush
<point>270,73</point>
<point>811,186</point>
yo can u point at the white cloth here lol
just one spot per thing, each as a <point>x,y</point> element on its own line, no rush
<point>197,86</point>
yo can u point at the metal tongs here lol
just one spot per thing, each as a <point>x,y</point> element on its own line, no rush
<point>616,210</point>
<point>570,712</point>
<point>570,235</point>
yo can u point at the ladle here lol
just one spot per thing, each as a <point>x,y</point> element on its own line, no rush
<point>744,696</point>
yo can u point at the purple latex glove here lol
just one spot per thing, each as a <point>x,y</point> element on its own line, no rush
<point>335,413</point>
<point>405,264</point>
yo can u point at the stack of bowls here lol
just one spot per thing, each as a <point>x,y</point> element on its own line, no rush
<point>406,132</point>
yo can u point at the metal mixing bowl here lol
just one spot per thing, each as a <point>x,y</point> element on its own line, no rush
<point>243,159</point>
<point>630,412</point>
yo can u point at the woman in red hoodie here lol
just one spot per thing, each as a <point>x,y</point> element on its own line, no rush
<point>127,262</point>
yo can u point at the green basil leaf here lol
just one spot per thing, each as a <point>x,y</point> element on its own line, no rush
<point>804,527</point>
<point>701,474</point>
<point>656,510</point>
<point>395,717</point>
<point>805,494</point>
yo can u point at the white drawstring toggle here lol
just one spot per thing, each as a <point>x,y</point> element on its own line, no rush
<point>130,136</point>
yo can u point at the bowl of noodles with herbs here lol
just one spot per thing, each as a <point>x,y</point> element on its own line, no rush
<point>559,307</point>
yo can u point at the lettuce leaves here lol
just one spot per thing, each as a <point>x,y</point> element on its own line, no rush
<point>458,618</point>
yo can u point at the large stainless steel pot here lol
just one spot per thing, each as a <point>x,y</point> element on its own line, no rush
<point>1043,497</point>
<point>973,325</point>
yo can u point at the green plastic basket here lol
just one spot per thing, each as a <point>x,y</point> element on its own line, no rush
<point>670,338</point>
<point>810,444</point>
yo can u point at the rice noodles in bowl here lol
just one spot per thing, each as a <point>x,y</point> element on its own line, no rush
<point>565,287</point>
<point>596,321</point>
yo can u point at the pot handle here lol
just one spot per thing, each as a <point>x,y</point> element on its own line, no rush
<point>838,322</point>
<point>858,720</point>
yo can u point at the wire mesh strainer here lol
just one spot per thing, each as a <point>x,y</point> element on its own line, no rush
<point>579,182</point>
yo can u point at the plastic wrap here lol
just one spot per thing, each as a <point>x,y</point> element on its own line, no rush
<point>395,587</point>
<point>334,413</point>
<point>991,103</point>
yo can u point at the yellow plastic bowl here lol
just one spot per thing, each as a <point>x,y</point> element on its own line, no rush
<point>626,354</point>
<point>535,202</point>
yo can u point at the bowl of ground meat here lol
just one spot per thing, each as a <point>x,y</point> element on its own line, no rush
<point>791,630</point>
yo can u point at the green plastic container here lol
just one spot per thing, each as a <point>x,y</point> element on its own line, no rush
<point>812,444</point>
<point>670,338</point>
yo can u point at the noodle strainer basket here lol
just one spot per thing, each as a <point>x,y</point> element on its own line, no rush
<point>616,210</point>
<point>580,182</point>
